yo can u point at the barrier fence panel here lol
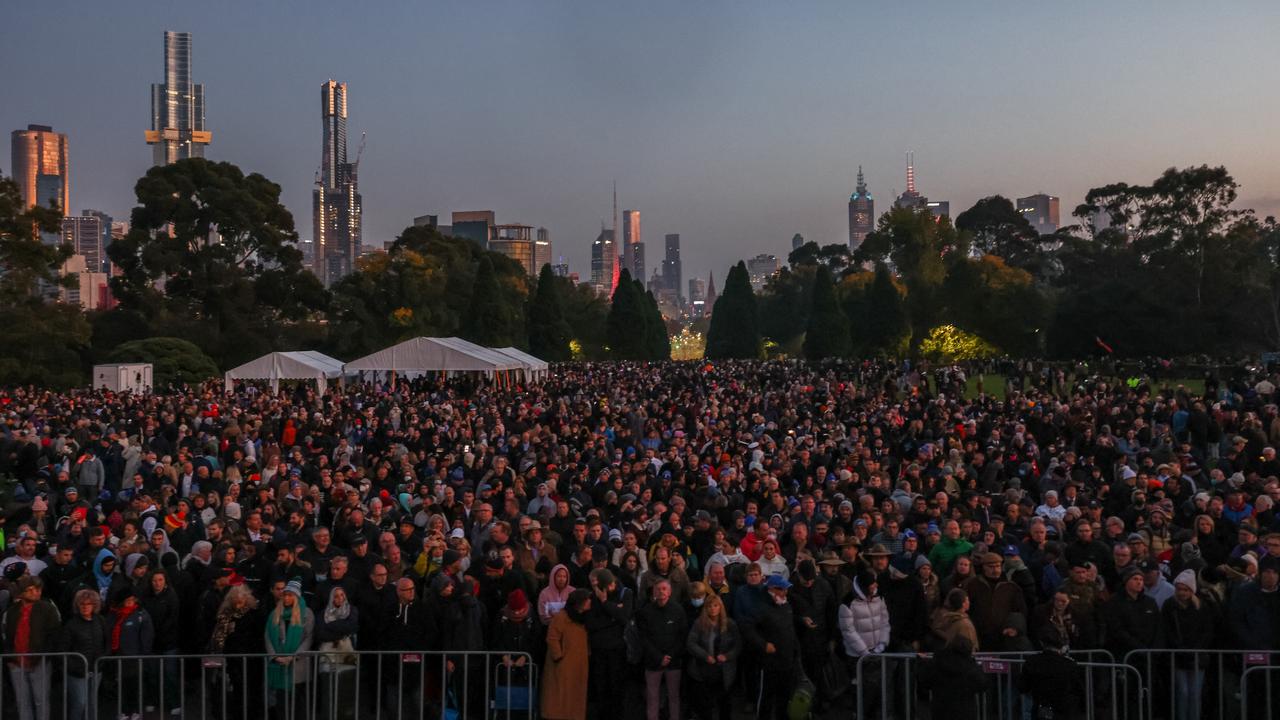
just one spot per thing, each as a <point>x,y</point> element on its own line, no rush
<point>46,685</point>
<point>1195,683</point>
<point>330,685</point>
<point>1258,688</point>
<point>887,686</point>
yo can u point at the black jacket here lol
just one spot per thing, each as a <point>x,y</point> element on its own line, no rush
<point>774,624</point>
<point>817,604</point>
<point>955,681</point>
<point>1131,624</point>
<point>90,638</point>
<point>663,631</point>
<point>164,610</point>
<point>607,621</point>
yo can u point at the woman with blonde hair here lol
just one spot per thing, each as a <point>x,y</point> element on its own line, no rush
<point>289,633</point>
<point>713,645</point>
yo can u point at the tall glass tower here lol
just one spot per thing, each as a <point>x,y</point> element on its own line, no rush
<point>177,106</point>
<point>335,202</point>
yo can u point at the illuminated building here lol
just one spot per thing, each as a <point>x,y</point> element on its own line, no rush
<point>336,205</point>
<point>177,106</point>
<point>39,166</point>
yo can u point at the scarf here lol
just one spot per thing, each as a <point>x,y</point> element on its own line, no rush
<point>225,625</point>
<point>121,615</point>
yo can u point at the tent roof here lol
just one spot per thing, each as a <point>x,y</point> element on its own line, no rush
<point>424,354</point>
<point>529,361</point>
<point>297,365</point>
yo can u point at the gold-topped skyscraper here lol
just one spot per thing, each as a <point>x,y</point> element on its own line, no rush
<point>177,106</point>
<point>39,166</point>
<point>336,205</point>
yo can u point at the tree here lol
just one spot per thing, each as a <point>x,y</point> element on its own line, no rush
<point>176,361</point>
<point>877,315</point>
<point>628,321</point>
<point>998,303</point>
<point>212,253</point>
<point>657,338</point>
<point>43,337</point>
<point>423,285</point>
<point>588,313</point>
<point>995,227</point>
<point>549,332</point>
<point>920,247</point>
<point>735,324</point>
<point>492,322</point>
<point>828,333</point>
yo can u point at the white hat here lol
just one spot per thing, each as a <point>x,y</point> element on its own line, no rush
<point>1186,578</point>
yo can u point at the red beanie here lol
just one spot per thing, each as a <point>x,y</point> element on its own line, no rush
<point>517,602</point>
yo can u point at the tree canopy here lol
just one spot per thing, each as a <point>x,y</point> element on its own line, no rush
<point>735,324</point>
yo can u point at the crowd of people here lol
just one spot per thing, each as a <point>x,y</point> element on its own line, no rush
<point>673,539</point>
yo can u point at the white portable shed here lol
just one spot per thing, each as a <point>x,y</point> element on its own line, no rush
<point>123,377</point>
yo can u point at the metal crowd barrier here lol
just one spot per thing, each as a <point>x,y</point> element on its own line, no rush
<point>330,685</point>
<point>887,684</point>
<point>1196,680</point>
<point>1249,702</point>
<point>48,685</point>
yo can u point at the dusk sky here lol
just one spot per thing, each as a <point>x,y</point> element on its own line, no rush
<point>735,124</point>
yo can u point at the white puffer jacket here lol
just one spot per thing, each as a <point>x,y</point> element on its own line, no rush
<point>864,623</point>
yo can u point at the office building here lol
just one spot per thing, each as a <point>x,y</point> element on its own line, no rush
<point>561,269</point>
<point>632,245</point>
<point>541,250</point>
<point>84,234</point>
<point>697,297</point>
<point>336,206</point>
<point>39,164</point>
<point>760,268</point>
<point>474,225</point>
<point>604,264</point>
<point>1041,211</point>
<point>177,107</point>
<point>671,269</point>
<point>516,242</point>
<point>108,224</point>
<point>90,289</point>
<point>797,241</point>
<point>862,214</point>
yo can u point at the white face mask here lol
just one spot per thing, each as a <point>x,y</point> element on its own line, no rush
<point>697,602</point>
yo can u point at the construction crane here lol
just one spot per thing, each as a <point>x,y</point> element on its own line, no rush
<point>355,166</point>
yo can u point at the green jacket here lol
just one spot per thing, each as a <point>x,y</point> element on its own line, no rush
<point>943,555</point>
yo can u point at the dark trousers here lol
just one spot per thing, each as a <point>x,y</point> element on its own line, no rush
<point>606,682</point>
<point>710,700</point>
<point>776,689</point>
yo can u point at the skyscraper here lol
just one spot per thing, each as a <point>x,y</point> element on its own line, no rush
<point>671,270</point>
<point>474,225</point>
<point>632,246</point>
<point>862,213</point>
<point>336,205</point>
<point>177,106</point>
<point>541,250</point>
<point>516,242</point>
<point>797,241</point>
<point>84,233</point>
<point>604,266</point>
<point>1041,211</point>
<point>760,268</point>
<point>39,166</point>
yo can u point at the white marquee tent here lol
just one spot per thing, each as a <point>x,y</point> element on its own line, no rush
<point>534,368</point>
<point>297,365</point>
<point>424,354</point>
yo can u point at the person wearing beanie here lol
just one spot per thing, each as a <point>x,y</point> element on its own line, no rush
<point>612,606</point>
<point>515,636</point>
<point>1188,625</point>
<point>1131,616</point>
<point>1253,613</point>
<point>290,629</point>
<point>813,605</point>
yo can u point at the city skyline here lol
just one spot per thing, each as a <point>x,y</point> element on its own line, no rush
<point>733,152</point>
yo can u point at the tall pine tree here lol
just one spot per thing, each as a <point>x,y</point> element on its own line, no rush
<point>828,332</point>
<point>657,341</point>
<point>549,332</point>
<point>627,320</point>
<point>735,323</point>
<point>491,322</point>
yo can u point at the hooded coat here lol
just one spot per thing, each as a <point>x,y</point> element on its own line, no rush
<point>864,623</point>
<point>285,638</point>
<point>564,678</point>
